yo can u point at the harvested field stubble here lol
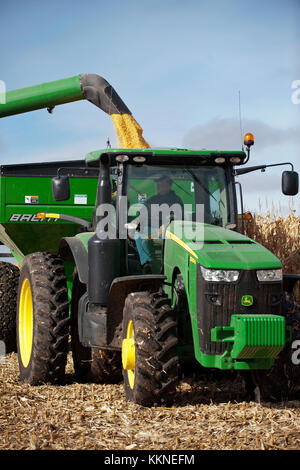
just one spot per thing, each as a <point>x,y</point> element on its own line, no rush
<point>209,413</point>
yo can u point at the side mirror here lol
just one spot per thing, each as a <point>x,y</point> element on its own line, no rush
<point>290,183</point>
<point>60,188</point>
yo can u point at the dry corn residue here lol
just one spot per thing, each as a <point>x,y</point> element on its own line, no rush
<point>211,411</point>
<point>129,132</point>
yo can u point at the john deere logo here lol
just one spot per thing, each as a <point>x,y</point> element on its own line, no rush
<point>247,300</point>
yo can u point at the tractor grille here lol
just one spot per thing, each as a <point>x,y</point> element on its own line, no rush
<point>216,302</point>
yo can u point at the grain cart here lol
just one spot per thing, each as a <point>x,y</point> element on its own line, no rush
<point>213,296</point>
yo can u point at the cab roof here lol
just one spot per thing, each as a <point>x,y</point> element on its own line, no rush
<point>175,156</point>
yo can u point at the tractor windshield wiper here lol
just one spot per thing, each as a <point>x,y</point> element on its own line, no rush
<point>202,186</point>
<point>182,189</point>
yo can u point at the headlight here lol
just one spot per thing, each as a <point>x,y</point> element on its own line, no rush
<point>219,275</point>
<point>269,275</point>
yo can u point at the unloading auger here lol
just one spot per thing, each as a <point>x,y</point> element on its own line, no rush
<point>85,86</point>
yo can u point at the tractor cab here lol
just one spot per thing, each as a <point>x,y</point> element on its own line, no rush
<point>199,188</point>
<point>174,192</point>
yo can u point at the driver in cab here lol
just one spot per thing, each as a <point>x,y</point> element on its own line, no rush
<point>167,197</point>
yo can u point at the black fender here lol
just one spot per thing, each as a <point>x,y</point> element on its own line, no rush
<point>72,249</point>
<point>120,288</point>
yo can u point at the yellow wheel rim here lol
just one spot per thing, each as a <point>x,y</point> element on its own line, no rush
<point>25,323</point>
<point>128,354</point>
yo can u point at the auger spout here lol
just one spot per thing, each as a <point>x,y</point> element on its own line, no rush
<point>99,92</point>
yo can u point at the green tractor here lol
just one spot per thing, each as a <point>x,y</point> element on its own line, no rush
<point>137,301</point>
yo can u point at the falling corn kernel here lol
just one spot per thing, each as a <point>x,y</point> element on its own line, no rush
<point>129,132</point>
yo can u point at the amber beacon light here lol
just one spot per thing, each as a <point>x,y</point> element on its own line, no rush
<point>249,139</point>
<point>248,142</point>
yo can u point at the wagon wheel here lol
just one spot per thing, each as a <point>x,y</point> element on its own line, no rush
<point>42,319</point>
<point>9,279</point>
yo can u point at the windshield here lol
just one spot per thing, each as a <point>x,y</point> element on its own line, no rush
<point>189,186</point>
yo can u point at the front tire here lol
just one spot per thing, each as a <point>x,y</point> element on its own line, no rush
<point>42,319</point>
<point>149,349</point>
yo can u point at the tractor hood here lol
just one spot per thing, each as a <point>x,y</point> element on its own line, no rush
<point>220,248</point>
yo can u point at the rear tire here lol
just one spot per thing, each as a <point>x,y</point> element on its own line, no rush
<point>149,349</point>
<point>91,364</point>
<point>106,366</point>
<point>42,319</point>
<point>9,279</point>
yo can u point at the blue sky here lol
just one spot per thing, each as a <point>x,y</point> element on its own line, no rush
<point>177,65</point>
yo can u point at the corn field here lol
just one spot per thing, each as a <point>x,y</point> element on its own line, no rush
<point>280,235</point>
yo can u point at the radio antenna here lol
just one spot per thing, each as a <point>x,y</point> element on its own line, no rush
<point>240,117</point>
